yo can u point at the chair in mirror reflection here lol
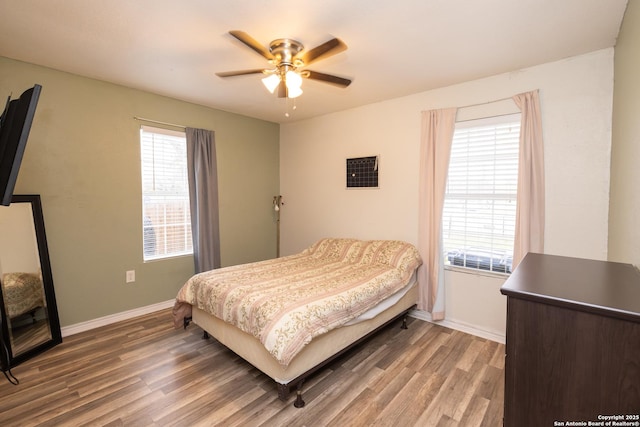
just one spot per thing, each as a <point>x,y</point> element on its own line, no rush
<point>30,321</point>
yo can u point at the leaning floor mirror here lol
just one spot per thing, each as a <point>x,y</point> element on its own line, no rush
<point>29,321</point>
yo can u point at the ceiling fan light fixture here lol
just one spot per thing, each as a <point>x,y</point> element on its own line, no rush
<point>293,80</point>
<point>271,82</point>
<point>287,58</point>
<point>293,92</point>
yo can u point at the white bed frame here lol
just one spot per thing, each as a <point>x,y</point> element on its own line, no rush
<point>315,355</point>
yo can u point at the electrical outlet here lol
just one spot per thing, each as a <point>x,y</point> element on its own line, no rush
<point>131,276</point>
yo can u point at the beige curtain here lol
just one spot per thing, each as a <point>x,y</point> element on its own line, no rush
<point>435,148</point>
<point>530,205</point>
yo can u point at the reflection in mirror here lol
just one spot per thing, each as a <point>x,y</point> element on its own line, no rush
<point>29,317</point>
<point>22,287</point>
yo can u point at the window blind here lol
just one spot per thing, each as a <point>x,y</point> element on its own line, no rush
<point>165,194</point>
<point>478,224</point>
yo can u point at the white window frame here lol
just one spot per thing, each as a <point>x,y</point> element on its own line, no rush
<point>165,194</point>
<point>492,195</point>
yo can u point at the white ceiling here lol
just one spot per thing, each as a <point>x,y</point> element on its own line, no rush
<point>396,47</point>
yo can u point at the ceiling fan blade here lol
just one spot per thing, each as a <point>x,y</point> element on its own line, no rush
<point>240,72</point>
<point>326,78</point>
<point>282,90</point>
<point>252,43</point>
<point>324,50</point>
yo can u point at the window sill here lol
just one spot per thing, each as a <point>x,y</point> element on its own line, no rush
<point>477,272</point>
<point>167,258</point>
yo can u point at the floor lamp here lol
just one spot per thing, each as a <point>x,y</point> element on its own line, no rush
<point>277,202</point>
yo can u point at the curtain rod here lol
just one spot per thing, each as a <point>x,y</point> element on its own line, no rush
<point>487,117</point>
<point>488,102</point>
<point>485,103</point>
<point>158,122</point>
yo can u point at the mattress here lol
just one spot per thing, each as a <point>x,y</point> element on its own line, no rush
<point>318,350</point>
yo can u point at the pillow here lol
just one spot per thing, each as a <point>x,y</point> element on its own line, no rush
<point>394,253</point>
<point>335,248</point>
<point>21,280</point>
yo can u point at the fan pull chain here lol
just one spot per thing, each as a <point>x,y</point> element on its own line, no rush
<point>294,108</point>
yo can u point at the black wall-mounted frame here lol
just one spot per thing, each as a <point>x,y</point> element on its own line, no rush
<point>362,172</point>
<point>11,355</point>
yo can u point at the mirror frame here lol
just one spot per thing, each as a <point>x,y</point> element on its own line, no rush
<point>7,358</point>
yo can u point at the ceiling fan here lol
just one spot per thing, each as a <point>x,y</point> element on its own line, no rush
<point>288,59</point>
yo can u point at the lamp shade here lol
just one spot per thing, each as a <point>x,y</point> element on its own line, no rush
<point>293,92</point>
<point>293,82</point>
<point>271,82</point>
<point>293,79</point>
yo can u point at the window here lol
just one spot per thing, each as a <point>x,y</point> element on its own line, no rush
<point>479,215</point>
<point>166,220</point>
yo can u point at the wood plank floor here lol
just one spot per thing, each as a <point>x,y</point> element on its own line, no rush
<point>142,372</point>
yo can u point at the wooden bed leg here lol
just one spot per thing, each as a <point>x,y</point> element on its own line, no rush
<point>299,403</point>
<point>404,323</point>
<point>283,392</point>
<point>205,335</point>
<point>185,322</point>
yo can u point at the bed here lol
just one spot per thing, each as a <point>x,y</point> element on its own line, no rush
<point>290,316</point>
<point>23,293</point>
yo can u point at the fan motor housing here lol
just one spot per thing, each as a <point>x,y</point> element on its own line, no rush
<point>284,50</point>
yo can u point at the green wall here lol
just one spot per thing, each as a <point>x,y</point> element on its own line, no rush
<point>624,202</point>
<point>83,158</point>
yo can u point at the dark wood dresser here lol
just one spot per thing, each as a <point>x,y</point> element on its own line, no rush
<point>573,342</point>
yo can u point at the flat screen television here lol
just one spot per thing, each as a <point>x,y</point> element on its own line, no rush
<point>15,124</point>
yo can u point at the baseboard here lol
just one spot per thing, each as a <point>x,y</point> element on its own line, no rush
<point>130,314</point>
<point>461,326</point>
<point>113,318</point>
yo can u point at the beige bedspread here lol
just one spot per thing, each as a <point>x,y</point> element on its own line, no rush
<point>23,292</point>
<point>286,302</point>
